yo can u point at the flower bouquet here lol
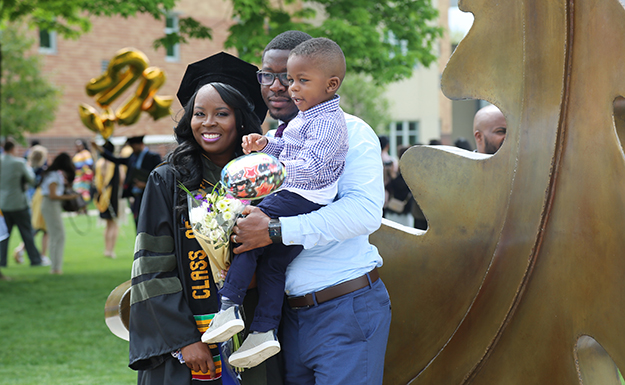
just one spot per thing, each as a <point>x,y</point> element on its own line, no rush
<point>212,217</point>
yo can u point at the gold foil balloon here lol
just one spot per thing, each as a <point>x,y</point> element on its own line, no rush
<point>100,124</point>
<point>143,99</point>
<point>90,117</point>
<point>127,66</point>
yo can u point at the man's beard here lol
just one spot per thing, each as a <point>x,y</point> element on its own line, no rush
<point>490,148</point>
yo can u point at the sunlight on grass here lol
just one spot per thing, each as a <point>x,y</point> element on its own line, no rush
<point>53,328</point>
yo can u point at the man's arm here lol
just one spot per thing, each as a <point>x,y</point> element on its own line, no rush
<point>358,211</point>
<point>29,174</point>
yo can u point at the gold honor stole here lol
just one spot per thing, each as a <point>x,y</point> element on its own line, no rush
<point>202,322</point>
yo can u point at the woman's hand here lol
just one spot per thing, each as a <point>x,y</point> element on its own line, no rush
<point>198,357</point>
<point>253,142</point>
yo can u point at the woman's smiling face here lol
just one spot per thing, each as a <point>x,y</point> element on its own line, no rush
<point>214,126</point>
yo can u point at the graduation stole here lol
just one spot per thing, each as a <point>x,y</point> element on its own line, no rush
<point>197,282</point>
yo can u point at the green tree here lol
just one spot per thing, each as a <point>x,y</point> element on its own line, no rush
<point>70,18</point>
<point>365,99</point>
<point>22,106</point>
<point>384,39</point>
<point>29,100</point>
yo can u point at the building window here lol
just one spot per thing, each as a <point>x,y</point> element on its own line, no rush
<point>47,41</point>
<point>171,26</point>
<point>403,133</point>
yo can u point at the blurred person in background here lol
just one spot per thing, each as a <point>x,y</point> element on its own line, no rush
<point>107,181</point>
<point>54,180</point>
<point>83,163</point>
<point>463,143</point>
<point>38,159</point>
<point>489,129</point>
<point>140,163</point>
<point>14,174</point>
<point>391,166</point>
<point>400,198</point>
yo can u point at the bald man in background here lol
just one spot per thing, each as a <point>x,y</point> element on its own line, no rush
<point>489,129</point>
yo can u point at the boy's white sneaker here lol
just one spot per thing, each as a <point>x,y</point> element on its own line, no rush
<point>256,348</point>
<point>225,324</point>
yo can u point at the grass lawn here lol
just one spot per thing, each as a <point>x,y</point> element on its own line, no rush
<point>52,327</point>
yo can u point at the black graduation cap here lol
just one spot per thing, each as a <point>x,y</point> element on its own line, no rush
<point>223,68</point>
<point>135,140</point>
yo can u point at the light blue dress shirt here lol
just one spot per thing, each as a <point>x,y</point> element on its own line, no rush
<point>336,237</point>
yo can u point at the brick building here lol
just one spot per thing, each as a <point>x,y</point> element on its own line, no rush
<point>71,64</point>
<point>419,111</point>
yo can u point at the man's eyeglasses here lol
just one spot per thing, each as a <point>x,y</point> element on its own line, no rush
<point>267,78</point>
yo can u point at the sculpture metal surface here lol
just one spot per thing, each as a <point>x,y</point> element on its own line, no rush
<point>519,278</point>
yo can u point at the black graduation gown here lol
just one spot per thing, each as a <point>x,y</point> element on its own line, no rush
<point>172,288</point>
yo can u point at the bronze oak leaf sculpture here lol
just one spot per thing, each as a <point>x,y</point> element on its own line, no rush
<point>520,277</point>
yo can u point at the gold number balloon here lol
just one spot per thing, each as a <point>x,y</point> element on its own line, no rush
<point>127,66</point>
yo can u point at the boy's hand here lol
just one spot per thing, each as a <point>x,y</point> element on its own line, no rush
<point>253,142</point>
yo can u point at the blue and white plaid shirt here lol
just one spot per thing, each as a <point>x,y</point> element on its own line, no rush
<point>313,148</point>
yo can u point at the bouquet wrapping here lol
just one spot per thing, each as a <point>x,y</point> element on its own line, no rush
<point>212,217</point>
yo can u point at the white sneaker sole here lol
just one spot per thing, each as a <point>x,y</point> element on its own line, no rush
<point>255,356</point>
<point>224,332</point>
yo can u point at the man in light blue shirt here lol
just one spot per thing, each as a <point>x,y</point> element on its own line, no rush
<point>336,321</point>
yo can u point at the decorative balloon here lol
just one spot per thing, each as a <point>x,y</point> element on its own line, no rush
<point>127,66</point>
<point>253,176</point>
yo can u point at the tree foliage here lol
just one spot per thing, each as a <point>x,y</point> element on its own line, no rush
<point>365,99</point>
<point>29,100</point>
<point>381,39</point>
<point>70,18</point>
<point>384,39</point>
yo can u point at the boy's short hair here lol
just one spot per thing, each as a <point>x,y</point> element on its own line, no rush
<point>287,41</point>
<point>324,53</point>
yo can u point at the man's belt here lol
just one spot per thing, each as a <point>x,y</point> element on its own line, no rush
<point>334,291</point>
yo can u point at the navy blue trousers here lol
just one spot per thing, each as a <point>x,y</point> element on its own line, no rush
<point>342,341</point>
<point>269,263</point>
<point>21,219</point>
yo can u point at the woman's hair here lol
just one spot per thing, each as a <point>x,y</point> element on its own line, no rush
<point>186,158</point>
<point>83,143</point>
<point>37,156</point>
<point>64,163</point>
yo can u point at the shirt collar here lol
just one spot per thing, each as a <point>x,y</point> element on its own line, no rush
<point>327,106</point>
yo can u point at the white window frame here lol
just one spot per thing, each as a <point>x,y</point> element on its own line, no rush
<point>52,48</point>
<point>405,134</point>
<point>176,48</point>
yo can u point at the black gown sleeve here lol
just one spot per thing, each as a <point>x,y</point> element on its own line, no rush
<point>106,154</point>
<point>160,318</point>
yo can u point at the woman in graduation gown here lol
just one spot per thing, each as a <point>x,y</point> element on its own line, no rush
<point>173,296</point>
